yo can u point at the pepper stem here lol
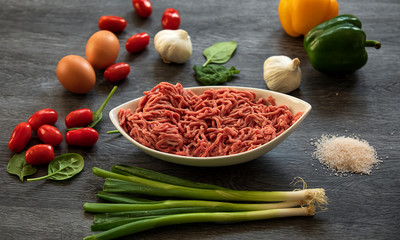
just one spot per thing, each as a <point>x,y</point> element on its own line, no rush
<point>373,43</point>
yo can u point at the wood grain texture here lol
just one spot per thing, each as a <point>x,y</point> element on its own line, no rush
<point>35,35</point>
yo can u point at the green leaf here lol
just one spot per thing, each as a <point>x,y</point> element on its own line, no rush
<point>18,166</point>
<point>63,167</point>
<point>214,74</point>
<point>219,52</point>
<point>98,114</point>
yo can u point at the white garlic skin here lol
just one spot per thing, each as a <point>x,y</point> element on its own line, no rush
<point>173,45</point>
<point>282,74</point>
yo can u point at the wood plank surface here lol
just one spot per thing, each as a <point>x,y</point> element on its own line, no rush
<point>35,35</point>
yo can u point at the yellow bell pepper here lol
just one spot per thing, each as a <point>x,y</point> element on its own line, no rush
<point>300,16</point>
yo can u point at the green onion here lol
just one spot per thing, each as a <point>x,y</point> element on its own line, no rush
<point>217,206</point>
<point>112,185</point>
<point>118,214</point>
<point>105,221</point>
<point>159,177</point>
<point>102,217</point>
<point>119,198</point>
<point>193,202</point>
<point>146,224</point>
<point>116,222</point>
<point>160,189</point>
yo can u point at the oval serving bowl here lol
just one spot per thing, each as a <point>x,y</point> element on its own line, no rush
<point>294,104</point>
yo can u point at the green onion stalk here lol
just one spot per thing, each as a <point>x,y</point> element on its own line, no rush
<point>167,204</point>
<point>160,189</point>
<point>160,177</point>
<point>124,213</point>
<point>106,221</point>
<point>126,209</point>
<point>217,217</point>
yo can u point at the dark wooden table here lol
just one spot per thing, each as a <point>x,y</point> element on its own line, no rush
<point>35,35</point>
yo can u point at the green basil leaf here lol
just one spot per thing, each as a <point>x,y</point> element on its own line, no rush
<point>214,74</point>
<point>63,167</point>
<point>18,166</point>
<point>219,52</point>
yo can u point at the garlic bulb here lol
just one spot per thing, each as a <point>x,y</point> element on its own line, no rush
<point>173,45</point>
<point>282,74</point>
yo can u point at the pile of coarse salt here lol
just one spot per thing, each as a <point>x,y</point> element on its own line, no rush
<point>345,154</point>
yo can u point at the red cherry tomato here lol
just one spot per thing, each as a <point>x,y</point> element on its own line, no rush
<point>137,42</point>
<point>83,137</point>
<point>112,23</point>
<point>142,7</point>
<point>79,118</point>
<point>117,72</point>
<point>42,117</point>
<point>39,154</point>
<point>170,19</point>
<point>20,137</point>
<point>49,135</point>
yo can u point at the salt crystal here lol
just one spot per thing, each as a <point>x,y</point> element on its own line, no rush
<point>346,154</point>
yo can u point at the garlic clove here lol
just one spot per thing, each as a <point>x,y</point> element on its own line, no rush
<point>173,45</point>
<point>282,74</point>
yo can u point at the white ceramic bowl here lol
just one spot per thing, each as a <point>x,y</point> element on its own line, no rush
<point>294,104</point>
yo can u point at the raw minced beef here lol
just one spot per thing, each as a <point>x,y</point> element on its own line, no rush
<point>218,122</point>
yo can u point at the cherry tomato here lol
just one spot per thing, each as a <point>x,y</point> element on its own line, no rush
<point>49,135</point>
<point>112,23</point>
<point>83,137</point>
<point>41,117</point>
<point>137,42</point>
<point>39,154</point>
<point>117,72</point>
<point>20,137</point>
<point>142,7</point>
<point>79,118</point>
<point>170,19</point>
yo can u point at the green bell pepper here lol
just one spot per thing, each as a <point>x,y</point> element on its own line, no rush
<point>338,45</point>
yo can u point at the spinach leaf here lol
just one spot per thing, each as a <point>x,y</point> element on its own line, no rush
<point>219,52</point>
<point>214,74</point>
<point>63,167</point>
<point>18,166</point>
<point>98,114</point>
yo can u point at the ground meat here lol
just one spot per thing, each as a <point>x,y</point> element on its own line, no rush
<point>218,122</point>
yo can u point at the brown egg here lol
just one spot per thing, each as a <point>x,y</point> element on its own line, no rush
<point>102,49</point>
<point>76,74</point>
